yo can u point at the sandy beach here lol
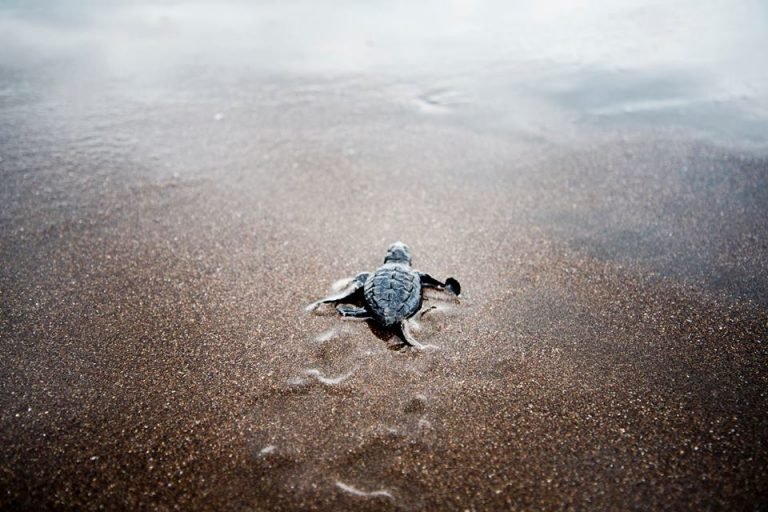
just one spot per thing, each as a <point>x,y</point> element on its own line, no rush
<point>161,234</point>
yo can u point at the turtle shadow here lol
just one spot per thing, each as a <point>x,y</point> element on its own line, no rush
<point>387,335</point>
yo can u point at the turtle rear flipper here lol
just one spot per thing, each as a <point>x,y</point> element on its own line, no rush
<point>355,312</point>
<point>405,334</point>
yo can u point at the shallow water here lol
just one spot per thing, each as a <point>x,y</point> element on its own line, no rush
<point>180,180</point>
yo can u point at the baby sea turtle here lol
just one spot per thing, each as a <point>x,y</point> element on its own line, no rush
<point>390,295</point>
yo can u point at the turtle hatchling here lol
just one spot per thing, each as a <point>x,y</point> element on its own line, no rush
<point>390,295</point>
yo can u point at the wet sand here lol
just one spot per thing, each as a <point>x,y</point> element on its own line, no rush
<point>608,352</point>
<point>157,354</point>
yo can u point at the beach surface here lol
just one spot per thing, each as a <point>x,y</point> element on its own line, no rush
<point>179,182</point>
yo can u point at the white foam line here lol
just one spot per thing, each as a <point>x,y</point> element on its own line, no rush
<point>328,381</point>
<point>357,492</point>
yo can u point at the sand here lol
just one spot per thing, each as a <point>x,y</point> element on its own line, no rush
<point>156,352</point>
<point>158,246</point>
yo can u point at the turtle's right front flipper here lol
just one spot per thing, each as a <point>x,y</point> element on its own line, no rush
<point>348,293</point>
<point>450,284</point>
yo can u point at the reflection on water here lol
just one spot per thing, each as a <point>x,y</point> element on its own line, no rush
<point>522,64</point>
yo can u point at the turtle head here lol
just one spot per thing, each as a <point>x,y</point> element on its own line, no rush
<point>398,252</point>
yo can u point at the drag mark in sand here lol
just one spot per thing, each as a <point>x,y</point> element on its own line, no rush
<point>267,450</point>
<point>362,494</point>
<point>331,334</point>
<point>340,284</point>
<point>326,336</point>
<point>328,381</point>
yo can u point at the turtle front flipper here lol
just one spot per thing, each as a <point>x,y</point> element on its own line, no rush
<point>453,286</point>
<point>450,284</point>
<point>347,293</point>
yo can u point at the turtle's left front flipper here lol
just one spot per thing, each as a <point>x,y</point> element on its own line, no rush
<point>450,284</point>
<point>347,293</point>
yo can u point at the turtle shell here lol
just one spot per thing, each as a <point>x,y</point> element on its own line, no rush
<point>393,293</point>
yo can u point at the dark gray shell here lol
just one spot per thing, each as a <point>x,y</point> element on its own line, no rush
<point>393,293</point>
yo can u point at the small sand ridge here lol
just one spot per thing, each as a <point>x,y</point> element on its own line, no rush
<point>357,492</point>
<point>328,381</point>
